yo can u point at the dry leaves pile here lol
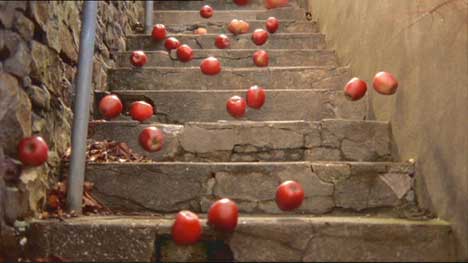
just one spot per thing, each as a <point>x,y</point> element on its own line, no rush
<point>110,151</point>
<point>56,202</point>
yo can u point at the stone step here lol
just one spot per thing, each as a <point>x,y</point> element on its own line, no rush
<point>164,187</point>
<point>193,16</point>
<point>244,41</point>
<point>246,141</point>
<point>286,26</point>
<point>181,106</point>
<point>257,238</point>
<point>216,4</point>
<point>236,58</point>
<point>271,78</point>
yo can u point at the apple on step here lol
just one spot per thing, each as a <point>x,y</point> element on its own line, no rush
<point>172,43</point>
<point>289,195</point>
<point>261,58</point>
<point>141,111</point>
<point>255,97</point>
<point>236,106</point>
<point>151,139</point>
<point>110,106</point>
<point>259,37</point>
<point>210,66</point>
<point>184,53</point>
<point>206,11</point>
<point>223,215</point>
<point>159,32</point>
<point>272,24</point>
<point>138,58</point>
<point>222,41</point>
<point>187,228</point>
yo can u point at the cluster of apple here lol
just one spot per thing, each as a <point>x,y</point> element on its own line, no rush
<point>384,83</point>
<point>151,139</point>
<point>255,98</point>
<point>224,213</point>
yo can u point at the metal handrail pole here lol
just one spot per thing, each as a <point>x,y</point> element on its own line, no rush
<point>149,5</point>
<point>81,108</point>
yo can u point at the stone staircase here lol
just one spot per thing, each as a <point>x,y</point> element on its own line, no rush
<point>360,204</point>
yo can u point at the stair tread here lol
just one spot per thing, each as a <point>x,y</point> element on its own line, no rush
<point>257,238</point>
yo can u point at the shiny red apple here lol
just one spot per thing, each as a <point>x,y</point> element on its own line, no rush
<point>187,228</point>
<point>172,43</point>
<point>222,41</point>
<point>355,89</point>
<point>289,195</point>
<point>210,66</point>
<point>184,53</point>
<point>385,83</point>
<point>256,97</point>
<point>223,215</point>
<point>110,106</point>
<point>272,24</point>
<point>241,2</point>
<point>159,32</point>
<point>138,58</point>
<point>259,37</point>
<point>206,11</point>
<point>151,139</point>
<point>33,151</point>
<point>236,106</point>
<point>141,110</point>
<point>261,58</point>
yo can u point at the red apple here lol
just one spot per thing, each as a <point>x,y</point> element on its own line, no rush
<point>223,215</point>
<point>244,27</point>
<point>235,27</point>
<point>110,106</point>
<point>355,89</point>
<point>272,24</point>
<point>172,43</point>
<point>256,97</point>
<point>33,151</point>
<point>187,228</point>
<point>206,11</point>
<point>385,83</point>
<point>261,58</point>
<point>151,139</point>
<point>184,53</point>
<point>236,106</point>
<point>222,41</point>
<point>241,2</point>
<point>200,31</point>
<point>159,32</point>
<point>289,195</point>
<point>210,66</point>
<point>138,58</point>
<point>259,37</point>
<point>275,3</point>
<point>141,110</point>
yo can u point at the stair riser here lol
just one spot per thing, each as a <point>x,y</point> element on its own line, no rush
<point>236,58</point>
<point>171,187</point>
<point>276,41</point>
<point>216,4</point>
<point>286,26</point>
<point>328,140</point>
<point>188,17</point>
<point>210,106</point>
<point>257,239</point>
<point>229,79</point>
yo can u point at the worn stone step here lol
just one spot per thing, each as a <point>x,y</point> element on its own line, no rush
<point>230,78</point>
<point>181,106</point>
<point>257,238</point>
<point>236,58</point>
<point>247,141</point>
<point>286,26</point>
<point>164,187</point>
<point>216,4</point>
<point>193,16</point>
<point>244,41</point>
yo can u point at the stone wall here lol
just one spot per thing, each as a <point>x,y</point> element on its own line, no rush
<point>425,44</point>
<point>39,44</point>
